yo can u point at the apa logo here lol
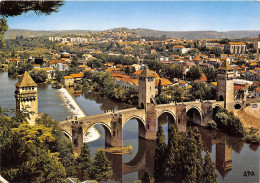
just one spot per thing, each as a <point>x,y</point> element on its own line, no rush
<point>249,173</point>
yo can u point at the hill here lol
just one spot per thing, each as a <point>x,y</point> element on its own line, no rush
<point>192,34</point>
<point>12,33</point>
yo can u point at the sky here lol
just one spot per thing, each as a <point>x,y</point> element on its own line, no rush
<point>157,15</point>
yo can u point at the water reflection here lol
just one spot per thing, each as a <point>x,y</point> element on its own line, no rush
<point>166,120</point>
<point>141,163</point>
<point>221,146</point>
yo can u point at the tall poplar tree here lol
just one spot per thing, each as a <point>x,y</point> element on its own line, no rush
<point>84,160</point>
<point>209,174</point>
<point>101,168</point>
<point>159,160</point>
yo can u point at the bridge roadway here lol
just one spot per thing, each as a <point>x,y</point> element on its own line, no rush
<point>198,112</point>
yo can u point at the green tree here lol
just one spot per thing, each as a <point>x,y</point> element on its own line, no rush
<point>194,73</point>
<point>11,69</point>
<point>209,174</point>
<point>202,91</point>
<point>39,76</point>
<point>3,112</point>
<point>210,73</point>
<point>59,75</point>
<point>173,154</point>
<point>193,156</point>
<point>145,178</point>
<point>61,144</point>
<point>84,160</point>
<point>228,122</point>
<point>176,71</point>
<point>3,29</point>
<point>159,88</point>
<point>26,156</point>
<point>159,159</point>
<point>74,62</point>
<point>101,169</point>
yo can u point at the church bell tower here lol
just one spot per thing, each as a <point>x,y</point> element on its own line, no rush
<point>26,96</point>
<point>225,85</point>
<point>146,88</point>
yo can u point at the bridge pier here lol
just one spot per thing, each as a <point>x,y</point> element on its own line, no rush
<point>181,117</point>
<point>151,120</point>
<point>116,139</point>
<point>77,136</point>
<point>207,113</point>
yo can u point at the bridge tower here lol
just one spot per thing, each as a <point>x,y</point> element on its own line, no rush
<point>225,85</point>
<point>146,90</point>
<point>26,96</point>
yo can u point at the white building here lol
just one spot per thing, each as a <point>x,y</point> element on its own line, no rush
<point>181,48</point>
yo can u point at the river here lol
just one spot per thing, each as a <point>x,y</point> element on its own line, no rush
<point>233,158</point>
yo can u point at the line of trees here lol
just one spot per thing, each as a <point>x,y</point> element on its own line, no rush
<point>182,160</point>
<point>103,83</point>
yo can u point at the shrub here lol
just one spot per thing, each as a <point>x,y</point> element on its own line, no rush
<point>211,125</point>
<point>252,136</point>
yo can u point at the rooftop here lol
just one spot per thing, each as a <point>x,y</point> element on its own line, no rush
<point>225,66</point>
<point>25,81</point>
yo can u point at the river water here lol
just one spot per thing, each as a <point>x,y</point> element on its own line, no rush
<point>235,161</point>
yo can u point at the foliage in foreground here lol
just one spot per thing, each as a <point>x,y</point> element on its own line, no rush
<point>38,153</point>
<point>100,169</point>
<point>182,160</point>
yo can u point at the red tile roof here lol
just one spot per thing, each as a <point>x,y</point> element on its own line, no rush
<point>239,87</point>
<point>78,75</point>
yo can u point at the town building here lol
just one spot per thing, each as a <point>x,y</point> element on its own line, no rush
<point>180,48</point>
<point>67,81</point>
<point>235,48</point>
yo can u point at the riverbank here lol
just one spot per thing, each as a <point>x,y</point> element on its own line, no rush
<point>250,116</point>
<point>92,134</point>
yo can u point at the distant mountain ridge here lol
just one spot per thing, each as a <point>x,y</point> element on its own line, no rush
<point>12,33</point>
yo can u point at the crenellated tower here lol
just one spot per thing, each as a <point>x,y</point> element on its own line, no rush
<point>26,96</point>
<point>225,85</point>
<point>146,91</point>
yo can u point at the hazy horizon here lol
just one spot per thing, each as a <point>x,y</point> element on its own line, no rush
<point>133,29</point>
<point>220,16</point>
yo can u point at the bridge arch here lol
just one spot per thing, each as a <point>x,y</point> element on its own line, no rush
<point>141,124</point>
<point>194,115</point>
<point>216,108</point>
<point>166,118</point>
<point>108,132</point>
<point>67,134</point>
<point>105,125</point>
<point>168,112</point>
<point>217,105</point>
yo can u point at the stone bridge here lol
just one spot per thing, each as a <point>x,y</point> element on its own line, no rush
<point>197,112</point>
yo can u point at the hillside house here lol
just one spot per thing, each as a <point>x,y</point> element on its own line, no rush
<point>67,81</point>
